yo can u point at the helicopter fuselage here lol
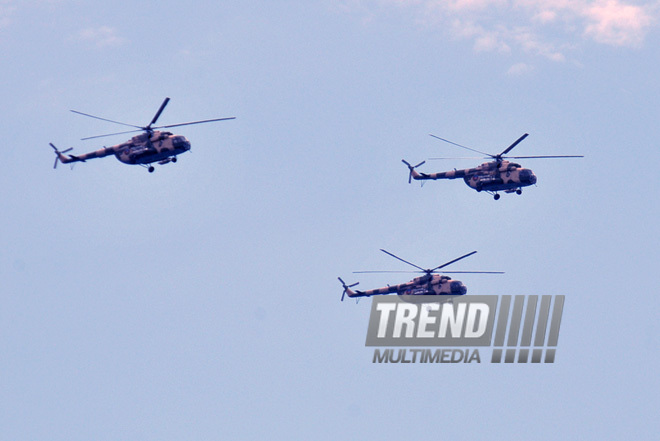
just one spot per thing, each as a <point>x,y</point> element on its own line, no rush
<point>490,176</point>
<point>433,284</point>
<point>145,149</point>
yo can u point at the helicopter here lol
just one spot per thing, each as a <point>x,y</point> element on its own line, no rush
<point>143,149</point>
<point>431,283</point>
<point>491,177</point>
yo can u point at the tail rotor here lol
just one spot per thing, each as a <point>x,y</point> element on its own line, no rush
<point>411,168</point>
<point>58,153</point>
<point>346,287</point>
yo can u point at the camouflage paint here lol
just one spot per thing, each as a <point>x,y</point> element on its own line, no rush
<point>141,149</point>
<point>490,176</point>
<point>424,285</point>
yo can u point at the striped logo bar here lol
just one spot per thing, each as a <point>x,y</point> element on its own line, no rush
<point>522,329</point>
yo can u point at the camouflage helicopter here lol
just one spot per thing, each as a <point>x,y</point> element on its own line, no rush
<point>491,177</point>
<point>143,149</point>
<point>430,283</point>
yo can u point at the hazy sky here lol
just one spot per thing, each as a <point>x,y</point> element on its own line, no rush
<point>202,301</point>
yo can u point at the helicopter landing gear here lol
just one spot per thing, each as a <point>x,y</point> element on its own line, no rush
<point>174,159</point>
<point>496,196</point>
<point>151,169</point>
<point>519,191</point>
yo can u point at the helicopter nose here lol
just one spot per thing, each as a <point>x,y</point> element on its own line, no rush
<point>527,176</point>
<point>457,288</point>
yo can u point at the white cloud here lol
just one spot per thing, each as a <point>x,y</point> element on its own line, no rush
<point>546,28</point>
<point>612,22</point>
<point>101,36</point>
<point>520,69</point>
<point>484,40</point>
<point>6,10</point>
<point>532,43</point>
<point>467,5</point>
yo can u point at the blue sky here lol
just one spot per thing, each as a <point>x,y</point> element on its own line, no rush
<point>201,301</point>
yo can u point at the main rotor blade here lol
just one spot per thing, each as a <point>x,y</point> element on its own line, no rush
<point>472,272</point>
<point>404,261</point>
<point>434,271</point>
<point>105,119</point>
<point>160,110</point>
<point>140,129</point>
<point>465,157</point>
<point>386,272</point>
<point>111,134</point>
<point>452,261</point>
<point>508,149</point>
<point>535,157</point>
<point>462,146</point>
<point>194,122</point>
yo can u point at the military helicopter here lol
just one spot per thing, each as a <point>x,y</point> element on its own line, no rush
<point>491,177</point>
<point>143,149</point>
<point>430,283</point>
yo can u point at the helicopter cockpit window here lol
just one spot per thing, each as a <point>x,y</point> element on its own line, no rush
<point>178,141</point>
<point>456,287</point>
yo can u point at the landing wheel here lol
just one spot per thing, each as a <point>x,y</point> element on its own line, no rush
<point>151,169</point>
<point>496,196</point>
<point>174,159</point>
<point>519,191</point>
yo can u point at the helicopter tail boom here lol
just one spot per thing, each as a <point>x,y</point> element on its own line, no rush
<point>64,159</point>
<point>454,174</point>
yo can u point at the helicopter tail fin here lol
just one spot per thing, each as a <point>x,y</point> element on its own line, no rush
<point>413,173</point>
<point>61,157</point>
<point>348,290</point>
